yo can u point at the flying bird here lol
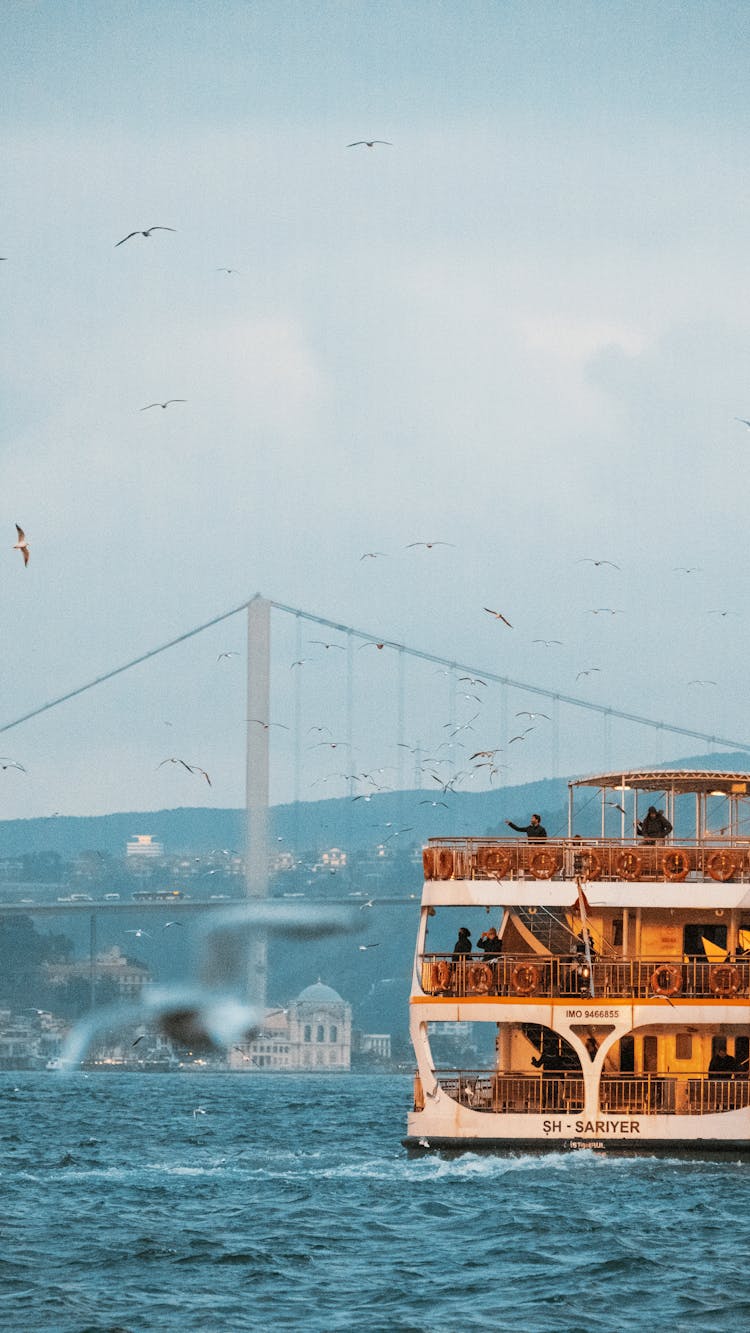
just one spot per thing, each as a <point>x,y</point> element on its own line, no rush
<point>616,806</point>
<point>434,803</point>
<point>372,644</point>
<point>146,233</point>
<point>687,569</point>
<point>525,713</point>
<point>372,555</point>
<point>266,725</point>
<point>743,421</point>
<point>5,762</point>
<point>498,616</point>
<point>473,680</point>
<point>588,672</point>
<point>191,768</point>
<point>429,545</point>
<point>22,545</point>
<point>323,644</point>
<point>702,682</point>
<point>604,610</point>
<point>723,613</point>
<point>548,642</point>
<point>165,404</point>
<point>364,947</point>
<point>138,933</point>
<point>369,143</point>
<point>227,270</point>
<point>231,654</point>
<point>587,560</point>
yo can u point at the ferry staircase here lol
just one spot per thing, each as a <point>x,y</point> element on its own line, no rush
<point>548,925</point>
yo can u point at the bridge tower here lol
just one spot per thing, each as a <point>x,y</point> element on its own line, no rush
<point>257,780</point>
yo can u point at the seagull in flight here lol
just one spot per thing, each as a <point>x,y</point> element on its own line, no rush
<point>227,270</point>
<point>687,569</point>
<point>5,762</point>
<point>616,806</point>
<point>604,610</point>
<point>473,680</point>
<point>498,616</point>
<point>145,233</point>
<point>371,644</point>
<point>588,672</point>
<point>702,682</point>
<point>372,555</point>
<point>743,420</point>
<point>22,545</point>
<point>525,713</point>
<point>429,545</point>
<point>266,725</point>
<point>548,642</point>
<point>588,560</point>
<point>231,654</point>
<point>723,613</point>
<point>434,803</point>
<point>364,947</point>
<point>323,644</point>
<point>191,768</point>
<point>369,143</point>
<point>138,933</point>
<point>164,405</point>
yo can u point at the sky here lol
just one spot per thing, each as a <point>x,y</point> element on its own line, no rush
<point>517,327</point>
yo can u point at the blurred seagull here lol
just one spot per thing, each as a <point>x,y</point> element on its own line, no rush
<point>548,642</point>
<point>498,616</point>
<point>227,270</point>
<point>616,806</point>
<point>587,672</point>
<point>434,803</point>
<point>743,420</point>
<point>164,405</point>
<point>209,1012</point>
<point>525,713</point>
<point>300,662</point>
<point>371,644</point>
<point>372,555</point>
<point>369,143</point>
<point>191,768</point>
<point>686,569</point>
<point>323,644</point>
<point>22,545</point>
<point>723,613</point>
<point>266,725</point>
<point>145,233</point>
<point>231,654</point>
<point>364,947</point>
<point>588,560</point>
<point>138,933</point>
<point>473,680</point>
<point>5,762</point>
<point>702,682</point>
<point>605,611</point>
<point>167,924</point>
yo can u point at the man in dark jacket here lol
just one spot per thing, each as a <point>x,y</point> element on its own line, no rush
<point>535,829</point>
<point>462,947</point>
<point>655,825</point>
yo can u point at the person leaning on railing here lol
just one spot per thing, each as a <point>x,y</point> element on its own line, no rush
<point>535,829</point>
<point>654,826</point>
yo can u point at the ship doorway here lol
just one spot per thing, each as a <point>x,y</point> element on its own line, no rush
<point>694,935</point>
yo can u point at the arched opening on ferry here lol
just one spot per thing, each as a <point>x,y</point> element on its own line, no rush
<point>506,1067</point>
<point>461,950</point>
<point>677,1070</point>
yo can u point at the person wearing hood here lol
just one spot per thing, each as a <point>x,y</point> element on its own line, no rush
<point>654,825</point>
<point>462,947</point>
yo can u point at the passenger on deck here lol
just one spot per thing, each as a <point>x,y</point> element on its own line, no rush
<point>491,943</point>
<point>722,1064</point>
<point>462,947</point>
<point>654,826</point>
<point>535,829</point>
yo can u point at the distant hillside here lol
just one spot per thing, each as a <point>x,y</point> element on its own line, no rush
<point>314,824</point>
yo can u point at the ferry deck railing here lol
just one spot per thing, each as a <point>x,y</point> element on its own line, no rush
<point>542,976</point>
<point>619,1094</point>
<point>720,859</point>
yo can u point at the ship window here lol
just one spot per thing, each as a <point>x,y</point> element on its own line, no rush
<point>627,1055</point>
<point>711,931</point>
<point>683,1046</point>
<point>649,1055</point>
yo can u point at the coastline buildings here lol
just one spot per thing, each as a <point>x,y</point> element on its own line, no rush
<point>314,1034</point>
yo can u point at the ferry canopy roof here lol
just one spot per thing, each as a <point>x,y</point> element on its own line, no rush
<point>678,780</point>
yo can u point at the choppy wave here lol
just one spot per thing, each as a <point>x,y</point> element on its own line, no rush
<point>290,1204</point>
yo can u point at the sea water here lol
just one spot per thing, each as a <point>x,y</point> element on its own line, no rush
<point>231,1202</point>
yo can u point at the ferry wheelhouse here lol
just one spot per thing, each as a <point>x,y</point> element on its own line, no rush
<point>616,1013</point>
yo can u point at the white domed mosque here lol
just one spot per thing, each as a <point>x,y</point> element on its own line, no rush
<point>314,1033</point>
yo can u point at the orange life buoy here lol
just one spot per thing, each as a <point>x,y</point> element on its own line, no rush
<point>479,978</point>
<point>724,979</point>
<point>675,864</point>
<point>666,979</point>
<point>721,865</point>
<point>587,863</point>
<point>543,864</point>
<point>493,861</point>
<point>524,978</point>
<point>628,864</point>
<point>428,862</point>
<point>444,863</point>
<point>442,974</point>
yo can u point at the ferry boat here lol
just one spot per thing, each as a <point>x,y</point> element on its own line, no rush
<point>615,1013</point>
